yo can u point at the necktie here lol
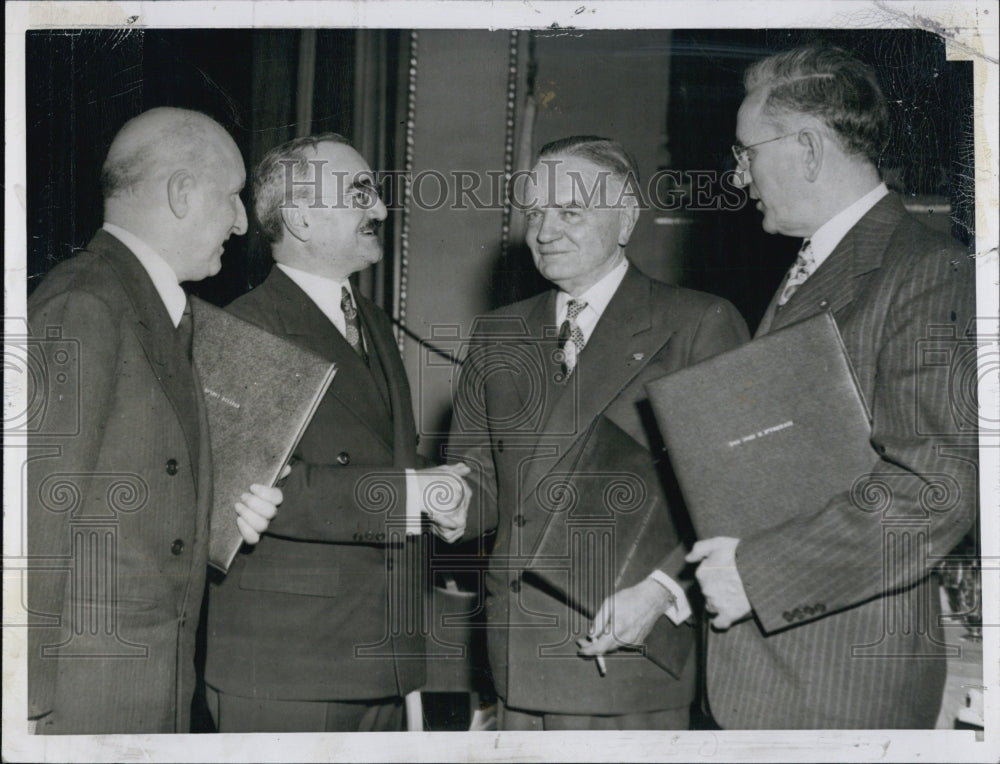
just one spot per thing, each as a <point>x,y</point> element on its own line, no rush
<point>799,272</point>
<point>184,333</point>
<point>352,326</point>
<point>570,331</point>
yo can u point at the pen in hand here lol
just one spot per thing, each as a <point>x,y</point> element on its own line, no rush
<point>584,644</point>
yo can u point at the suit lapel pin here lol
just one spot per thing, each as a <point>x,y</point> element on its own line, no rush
<point>638,356</point>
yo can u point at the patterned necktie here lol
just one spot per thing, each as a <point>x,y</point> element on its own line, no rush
<point>184,333</point>
<point>801,269</point>
<point>570,331</point>
<point>352,326</point>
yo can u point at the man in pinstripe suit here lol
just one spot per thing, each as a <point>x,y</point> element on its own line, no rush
<point>832,621</point>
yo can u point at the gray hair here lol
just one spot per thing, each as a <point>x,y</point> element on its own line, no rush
<point>270,179</point>
<point>603,152</point>
<point>831,84</point>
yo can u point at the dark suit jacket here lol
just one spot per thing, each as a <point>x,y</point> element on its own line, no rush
<point>515,425</point>
<point>846,632</point>
<point>118,497</point>
<point>328,606</point>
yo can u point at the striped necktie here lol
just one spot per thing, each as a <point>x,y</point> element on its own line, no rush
<point>352,326</point>
<point>801,269</point>
<point>571,336</point>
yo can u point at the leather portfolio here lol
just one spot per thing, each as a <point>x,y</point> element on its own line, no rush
<point>608,527</point>
<point>260,393</point>
<point>760,434</point>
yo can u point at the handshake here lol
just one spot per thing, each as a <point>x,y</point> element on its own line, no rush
<point>444,498</point>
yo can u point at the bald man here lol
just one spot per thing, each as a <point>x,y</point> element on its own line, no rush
<point>119,493</point>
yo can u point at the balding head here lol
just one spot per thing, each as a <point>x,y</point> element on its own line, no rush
<point>173,177</point>
<point>158,142</point>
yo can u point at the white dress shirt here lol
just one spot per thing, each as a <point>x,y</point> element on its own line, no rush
<point>160,273</point>
<point>324,292</point>
<point>828,235</point>
<point>326,295</point>
<point>597,299</point>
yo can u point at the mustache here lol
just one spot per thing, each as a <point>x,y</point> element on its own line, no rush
<point>372,226</point>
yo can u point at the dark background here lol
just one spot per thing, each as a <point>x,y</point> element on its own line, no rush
<point>82,85</point>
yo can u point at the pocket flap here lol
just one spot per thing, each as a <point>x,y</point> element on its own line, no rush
<point>291,577</point>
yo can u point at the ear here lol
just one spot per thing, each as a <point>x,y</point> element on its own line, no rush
<point>811,142</point>
<point>180,187</point>
<point>295,222</point>
<point>628,216</point>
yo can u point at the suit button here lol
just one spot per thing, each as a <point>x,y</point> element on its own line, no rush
<point>500,446</point>
<point>787,616</point>
<point>369,535</point>
<point>515,585</point>
<point>820,608</point>
<point>171,466</point>
<point>177,547</point>
<point>343,458</point>
<point>380,537</point>
<point>824,303</point>
<point>519,521</point>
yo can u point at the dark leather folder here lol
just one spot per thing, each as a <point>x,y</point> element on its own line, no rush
<point>260,393</point>
<point>762,433</point>
<point>608,528</point>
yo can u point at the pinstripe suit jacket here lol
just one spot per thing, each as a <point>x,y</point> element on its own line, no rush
<point>846,632</point>
<point>118,500</point>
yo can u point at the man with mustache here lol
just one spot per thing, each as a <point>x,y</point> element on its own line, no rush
<point>318,629</point>
<point>123,489</point>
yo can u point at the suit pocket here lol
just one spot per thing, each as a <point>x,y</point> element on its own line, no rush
<point>134,605</point>
<point>291,577</point>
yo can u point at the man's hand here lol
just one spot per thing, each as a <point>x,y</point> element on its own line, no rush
<point>256,509</point>
<point>626,617</point>
<point>720,580</point>
<point>445,499</point>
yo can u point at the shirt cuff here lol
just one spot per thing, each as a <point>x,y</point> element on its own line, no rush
<point>414,503</point>
<point>680,609</point>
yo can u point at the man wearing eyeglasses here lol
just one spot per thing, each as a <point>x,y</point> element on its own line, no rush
<point>823,622</point>
<point>318,630</point>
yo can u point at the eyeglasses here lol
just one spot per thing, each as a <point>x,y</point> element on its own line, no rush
<point>742,153</point>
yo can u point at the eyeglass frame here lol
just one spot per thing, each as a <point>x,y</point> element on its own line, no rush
<point>739,149</point>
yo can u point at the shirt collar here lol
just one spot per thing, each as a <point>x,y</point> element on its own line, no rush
<point>597,298</point>
<point>828,235</point>
<point>160,273</point>
<point>323,291</point>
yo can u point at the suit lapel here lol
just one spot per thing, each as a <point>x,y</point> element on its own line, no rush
<point>540,344</point>
<point>304,323</point>
<point>390,376</point>
<point>838,281</point>
<point>156,334</point>
<point>622,343</point>
<point>376,349</point>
